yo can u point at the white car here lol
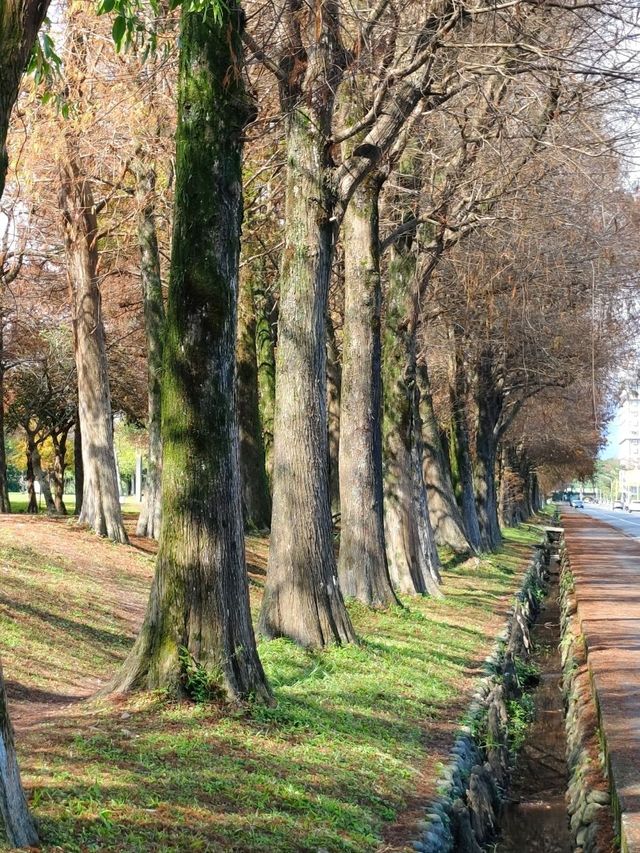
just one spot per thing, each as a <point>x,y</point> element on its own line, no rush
<point>634,506</point>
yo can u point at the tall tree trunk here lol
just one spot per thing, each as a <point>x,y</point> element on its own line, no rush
<point>153,301</point>
<point>460,441</point>
<point>32,506</point>
<point>78,471</point>
<point>256,501</point>
<point>5,505</point>
<point>444,512</point>
<point>413,563</point>
<point>334,392</point>
<point>362,566</point>
<point>426,535</point>
<point>266,362</point>
<point>536,496</point>
<point>197,633</point>
<point>18,824</point>
<point>302,598</point>
<point>506,492</point>
<point>487,415</point>
<point>20,21</point>
<point>100,498</point>
<point>60,449</point>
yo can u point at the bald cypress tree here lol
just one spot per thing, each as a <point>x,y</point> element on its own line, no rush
<point>198,624</point>
<point>20,21</point>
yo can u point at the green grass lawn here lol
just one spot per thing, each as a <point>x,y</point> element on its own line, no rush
<point>19,501</point>
<point>355,734</point>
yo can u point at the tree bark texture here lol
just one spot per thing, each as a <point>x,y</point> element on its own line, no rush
<point>197,635</point>
<point>5,505</point>
<point>302,597</point>
<point>459,445</point>
<point>334,392</point>
<point>18,824</point>
<point>266,362</point>
<point>20,21</point>
<point>256,498</point>
<point>413,562</point>
<point>78,471</point>
<point>517,486</point>
<point>100,498</point>
<point>426,536</point>
<point>153,302</point>
<point>32,506</point>
<point>444,512</point>
<point>488,411</point>
<point>59,467</point>
<point>362,568</point>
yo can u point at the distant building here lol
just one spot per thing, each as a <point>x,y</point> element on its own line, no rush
<point>629,453</point>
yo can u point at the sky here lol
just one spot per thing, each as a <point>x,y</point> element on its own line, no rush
<point>610,451</point>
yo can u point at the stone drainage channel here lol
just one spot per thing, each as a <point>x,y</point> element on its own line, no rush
<point>534,817</point>
<point>554,799</point>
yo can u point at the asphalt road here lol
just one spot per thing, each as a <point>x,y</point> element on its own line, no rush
<point>627,522</point>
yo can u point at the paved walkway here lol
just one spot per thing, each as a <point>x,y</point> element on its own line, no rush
<point>606,567</point>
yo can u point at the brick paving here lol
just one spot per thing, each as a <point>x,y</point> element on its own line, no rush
<point>606,567</point>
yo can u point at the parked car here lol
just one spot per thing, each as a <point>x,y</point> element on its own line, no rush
<point>633,506</point>
<point>577,503</point>
<point>617,505</point>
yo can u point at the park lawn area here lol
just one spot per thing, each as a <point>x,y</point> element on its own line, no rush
<point>19,501</point>
<point>344,760</point>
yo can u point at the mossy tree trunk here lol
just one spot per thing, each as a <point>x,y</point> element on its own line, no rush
<point>266,364</point>
<point>444,512</point>
<point>256,497</point>
<point>362,565</point>
<point>153,302</point>
<point>413,561</point>
<point>100,498</point>
<point>302,597</point>
<point>459,444</point>
<point>197,633</point>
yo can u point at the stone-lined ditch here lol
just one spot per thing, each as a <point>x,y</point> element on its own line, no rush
<point>554,798</point>
<point>535,814</point>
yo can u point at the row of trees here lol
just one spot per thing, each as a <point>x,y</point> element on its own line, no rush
<point>435,283</point>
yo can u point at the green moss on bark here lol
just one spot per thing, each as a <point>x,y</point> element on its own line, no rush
<point>199,605</point>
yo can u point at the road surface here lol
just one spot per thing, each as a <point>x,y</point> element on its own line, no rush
<point>627,522</point>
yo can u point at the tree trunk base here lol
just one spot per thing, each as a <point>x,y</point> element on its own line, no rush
<point>18,823</point>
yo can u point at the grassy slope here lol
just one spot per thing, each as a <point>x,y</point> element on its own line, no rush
<point>355,732</point>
